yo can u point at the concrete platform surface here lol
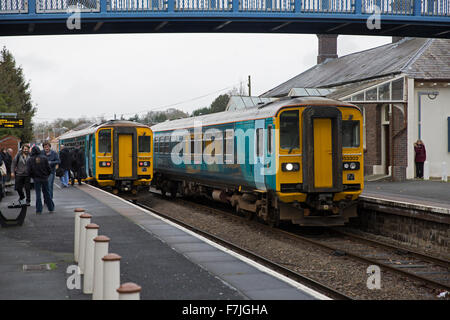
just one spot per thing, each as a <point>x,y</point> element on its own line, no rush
<point>167,262</point>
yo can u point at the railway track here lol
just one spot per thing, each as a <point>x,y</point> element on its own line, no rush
<point>332,293</point>
<point>432,271</point>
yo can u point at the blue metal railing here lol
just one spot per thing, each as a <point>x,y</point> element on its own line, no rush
<point>136,5</point>
<point>331,6</point>
<point>13,6</point>
<point>438,8</point>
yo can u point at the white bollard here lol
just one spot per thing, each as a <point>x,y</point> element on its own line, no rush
<point>129,291</point>
<point>444,171</point>
<point>85,219</point>
<point>78,213</point>
<point>426,170</point>
<point>88,280</point>
<point>100,250</point>
<point>111,276</point>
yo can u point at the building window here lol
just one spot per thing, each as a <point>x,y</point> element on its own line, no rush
<point>397,89</point>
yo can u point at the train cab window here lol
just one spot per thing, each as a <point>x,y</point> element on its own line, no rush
<point>350,134</point>
<point>104,141</point>
<point>289,130</point>
<point>144,143</point>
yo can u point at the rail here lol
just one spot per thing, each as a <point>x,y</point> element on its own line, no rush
<point>437,8</point>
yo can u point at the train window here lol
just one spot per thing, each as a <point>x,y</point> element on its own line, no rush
<point>269,139</point>
<point>350,134</point>
<point>144,143</point>
<point>289,130</point>
<point>104,141</point>
<point>259,142</point>
<point>229,146</point>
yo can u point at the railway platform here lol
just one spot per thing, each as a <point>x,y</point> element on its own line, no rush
<point>420,192</point>
<point>168,262</point>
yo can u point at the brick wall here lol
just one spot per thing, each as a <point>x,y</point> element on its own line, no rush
<point>409,231</point>
<point>10,142</point>
<point>399,141</point>
<point>372,156</point>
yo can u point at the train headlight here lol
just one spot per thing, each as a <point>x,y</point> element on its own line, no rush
<point>105,163</point>
<point>144,163</point>
<point>351,165</point>
<point>290,166</point>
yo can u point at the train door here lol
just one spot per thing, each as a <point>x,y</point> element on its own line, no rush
<point>322,149</point>
<point>258,168</point>
<point>323,160</point>
<point>125,155</point>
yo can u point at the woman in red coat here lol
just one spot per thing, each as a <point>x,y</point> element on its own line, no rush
<point>421,156</point>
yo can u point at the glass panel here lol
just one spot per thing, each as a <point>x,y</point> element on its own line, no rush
<point>358,97</point>
<point>289,130</point>
<point>144,144</point>
<point>397,89</point>
<point>350,134</point>
<point>384,92</point>
<point>104,141</point>
<point>371,95</point>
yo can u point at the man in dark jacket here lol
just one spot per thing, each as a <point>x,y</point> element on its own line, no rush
<point>53,160</point>
<point>66,164</point>
<point>19,171</point>
<point>39,169</point>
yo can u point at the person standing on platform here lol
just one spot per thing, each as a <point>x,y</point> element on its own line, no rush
<point>66,164</point>
<point>78,165</point>
<point>9,153</point>
<point>39,169</point>
<point>20,173</point>
<point>421,156</point>
<point>53,160</point>
<point>7,159</point>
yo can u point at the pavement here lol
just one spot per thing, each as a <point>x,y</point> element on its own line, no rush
<point>36,258</point>
<point>48,239</point>
<point>423,192</point>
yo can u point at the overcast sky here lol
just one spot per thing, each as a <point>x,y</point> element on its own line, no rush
<point>95,75</point>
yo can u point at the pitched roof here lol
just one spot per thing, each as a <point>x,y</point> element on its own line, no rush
<point>417,57</point>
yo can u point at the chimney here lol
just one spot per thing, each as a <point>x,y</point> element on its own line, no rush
<point>327,47</point>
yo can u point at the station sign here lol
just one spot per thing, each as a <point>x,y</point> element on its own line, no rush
<point>11,123</point>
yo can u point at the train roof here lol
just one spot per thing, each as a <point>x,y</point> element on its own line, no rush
<point>96,126</point>
<point>266,110</point>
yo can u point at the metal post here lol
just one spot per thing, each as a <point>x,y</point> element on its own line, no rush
<point>417,7</point>
<point>358,6</point>
<point>171,6</point>
<point>249,87</point>
<point>297,6</point>
<point>235,5</point>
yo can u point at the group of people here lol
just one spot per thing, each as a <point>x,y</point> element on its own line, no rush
<point>42,166</point>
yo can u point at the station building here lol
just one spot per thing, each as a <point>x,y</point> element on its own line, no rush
<point>404,90</point>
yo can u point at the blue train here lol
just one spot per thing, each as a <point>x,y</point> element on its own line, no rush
<point>293,159</point>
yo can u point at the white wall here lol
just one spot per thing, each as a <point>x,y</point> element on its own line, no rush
<point>434,131</point>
